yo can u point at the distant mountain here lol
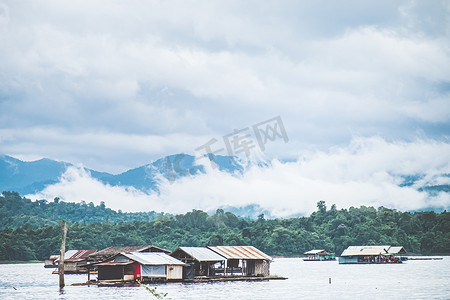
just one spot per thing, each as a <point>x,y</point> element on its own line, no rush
<point>31,177</point>
<point>173,167</point>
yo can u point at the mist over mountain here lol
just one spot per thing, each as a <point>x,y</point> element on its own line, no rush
<point>32,177</point>
<point>180,182</point>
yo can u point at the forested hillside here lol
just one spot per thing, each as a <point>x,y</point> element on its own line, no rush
<point>16,211</point>
<point>31,230</point>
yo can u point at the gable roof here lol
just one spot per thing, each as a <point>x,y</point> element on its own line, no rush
<point>153,258</point>
<point>115,250</point>
<point>240,252</point>
<point>74,255</point>
<point>200,253</point>
<point>144,258</point>
<point>397,250</point>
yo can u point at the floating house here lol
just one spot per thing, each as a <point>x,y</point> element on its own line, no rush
<point>145,266</point>
<point>244,260</point>
<point>200,261</point>
<point>319,255</point>
<point>74,261</point>
<point>372,255</point>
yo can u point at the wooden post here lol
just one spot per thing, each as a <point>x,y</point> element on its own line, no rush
<point>61,255</point>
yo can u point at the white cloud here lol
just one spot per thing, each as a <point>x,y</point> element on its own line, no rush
<point>108,83</point>
<point>366,172</point>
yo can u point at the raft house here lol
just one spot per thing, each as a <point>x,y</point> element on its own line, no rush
<point>142,266</point>
<point>187,264</point>
<point>244,260</point>
<point>74,261</point>
<point>319,255</point>
<point>372,255</point>
<point>200,261</point>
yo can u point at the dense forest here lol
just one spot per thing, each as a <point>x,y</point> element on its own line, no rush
<point>16,211</point>
<point>30,229</point>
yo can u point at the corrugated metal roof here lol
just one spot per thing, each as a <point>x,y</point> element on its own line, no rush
<point>314,252</point>
<point>365,250</point>
<point>201,253</point>
<point>115,250</point>
<point>79,254</point>
<point>69,254</point>
<point>240,252</point>
<point>115,263</point>
<point>153,258</point>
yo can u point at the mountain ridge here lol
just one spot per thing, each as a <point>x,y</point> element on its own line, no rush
<point>33,176</point>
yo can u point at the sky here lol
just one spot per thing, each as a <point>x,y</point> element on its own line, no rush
<point>113,85</point>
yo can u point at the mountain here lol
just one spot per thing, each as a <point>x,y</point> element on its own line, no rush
<point>31,177</point>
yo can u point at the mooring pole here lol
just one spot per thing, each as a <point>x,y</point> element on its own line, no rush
<point>61,255</point>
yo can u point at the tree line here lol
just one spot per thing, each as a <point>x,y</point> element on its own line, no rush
<point>97,227</point>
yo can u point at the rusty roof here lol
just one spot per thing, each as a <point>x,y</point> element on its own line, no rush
<point>240,252</point>
<point>110,251</point>
<point>115,263</point>
<point>76,255</point>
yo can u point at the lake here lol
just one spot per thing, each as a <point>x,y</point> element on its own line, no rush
<point>418,279</point>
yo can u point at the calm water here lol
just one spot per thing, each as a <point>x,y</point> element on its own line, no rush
<point>307,280</point>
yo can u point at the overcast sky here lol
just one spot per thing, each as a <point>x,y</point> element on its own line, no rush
<point>113,85</point>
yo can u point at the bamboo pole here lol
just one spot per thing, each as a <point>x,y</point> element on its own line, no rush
<point>61,255</point>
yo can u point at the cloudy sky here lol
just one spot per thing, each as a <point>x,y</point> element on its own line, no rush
<point>113,85</point>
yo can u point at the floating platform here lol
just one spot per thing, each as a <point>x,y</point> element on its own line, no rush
<point>120,283</point>
<point>424,258</point>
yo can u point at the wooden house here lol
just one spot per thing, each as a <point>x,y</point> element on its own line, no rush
<point>200,261</point>
<point>371,255</point>
<point>244,260</point>
<point>74,261</point>
<point>144,266</point>
<point>319,255</point>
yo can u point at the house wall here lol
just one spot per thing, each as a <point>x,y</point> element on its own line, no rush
<point>128,277</point>
<point>110,272</point>
<point>174,272</point>
<point>262,267</point>
<point>348,259</point>
<point>70,266</point>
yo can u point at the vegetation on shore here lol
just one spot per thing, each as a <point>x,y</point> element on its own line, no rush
<point>30,229</point>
